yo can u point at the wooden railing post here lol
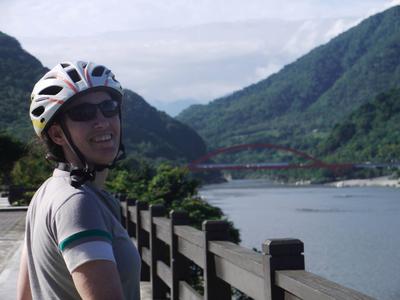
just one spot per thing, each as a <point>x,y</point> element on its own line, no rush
<point>141,240</point>
<point>158,287</point>
<point>214,288</point>
<point>129,225</point>
<point>122,198</point>
<point>178,263</point>
<point>280,254</point>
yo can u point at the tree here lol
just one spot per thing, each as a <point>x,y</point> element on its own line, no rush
<point>32,169</point>
<point>131,177</point>
<point>10,151</point>
<point>170,184</point>
<point>167,185</point>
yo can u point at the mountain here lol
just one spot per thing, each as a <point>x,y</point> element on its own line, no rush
<point>18,73</point>
<point>153,134</point>
<point>147,131</point>
<point>299,105</point>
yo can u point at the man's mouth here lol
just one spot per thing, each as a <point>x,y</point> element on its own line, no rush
<point>102,138</point>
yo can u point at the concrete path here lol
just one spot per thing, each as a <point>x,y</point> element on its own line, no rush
<point>9,275</point>
<point>12,226</point>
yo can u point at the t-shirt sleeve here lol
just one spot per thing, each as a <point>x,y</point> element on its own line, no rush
<point>81,232</point>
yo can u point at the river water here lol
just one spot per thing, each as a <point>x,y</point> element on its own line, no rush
<point>350,235</point>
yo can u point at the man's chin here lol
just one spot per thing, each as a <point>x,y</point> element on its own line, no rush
<point>103,161</point>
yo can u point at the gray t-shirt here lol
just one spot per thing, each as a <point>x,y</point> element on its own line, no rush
<point>66,227</point>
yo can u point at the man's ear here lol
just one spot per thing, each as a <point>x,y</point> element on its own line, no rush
<point>57,135</point>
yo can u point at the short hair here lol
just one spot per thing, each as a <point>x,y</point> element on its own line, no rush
<point>54,152</point>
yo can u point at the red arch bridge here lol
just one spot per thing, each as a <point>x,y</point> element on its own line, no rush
<point>201,164</point>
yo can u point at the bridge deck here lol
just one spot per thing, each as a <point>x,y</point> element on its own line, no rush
<point>12,225</point>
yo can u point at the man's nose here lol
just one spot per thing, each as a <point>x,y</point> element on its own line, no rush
<point>101,120</point>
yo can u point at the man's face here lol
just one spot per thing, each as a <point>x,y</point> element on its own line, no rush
<point>98,138</point>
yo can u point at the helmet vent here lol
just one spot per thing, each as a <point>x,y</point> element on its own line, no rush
<point>98,71</point>
<point>64,65</point>
<point>38,111</point>
<point>113,78</point>
<point>51,90</point>
<point>74,75</point>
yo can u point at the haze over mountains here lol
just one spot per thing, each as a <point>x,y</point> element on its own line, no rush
<point>173,108</point>
<point>300,105</point>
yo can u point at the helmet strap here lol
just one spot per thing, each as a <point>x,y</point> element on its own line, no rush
<point>79,175</point>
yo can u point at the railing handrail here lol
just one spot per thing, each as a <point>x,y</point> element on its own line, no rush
<point>274,274</point>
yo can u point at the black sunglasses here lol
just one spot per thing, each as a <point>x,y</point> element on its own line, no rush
<point>88,111</point>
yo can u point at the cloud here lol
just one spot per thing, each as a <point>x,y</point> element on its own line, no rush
<point>265,71</point>
<point>340,26</point>
<point>393,3</point>
<point>200,62</point>
<point>178,49</point>
<point>311,33</point>
<point>203,90</point>
<point>76,18</point>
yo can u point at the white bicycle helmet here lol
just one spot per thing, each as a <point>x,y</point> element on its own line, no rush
<point>58,87</point>
<point>62,83</point>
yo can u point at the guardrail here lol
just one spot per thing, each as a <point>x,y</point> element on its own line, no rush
<point>169,247</point>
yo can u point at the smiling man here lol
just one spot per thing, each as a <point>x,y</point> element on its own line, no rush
<point>75,245</point>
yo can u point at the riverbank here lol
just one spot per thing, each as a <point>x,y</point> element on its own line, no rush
<point>384,181</point>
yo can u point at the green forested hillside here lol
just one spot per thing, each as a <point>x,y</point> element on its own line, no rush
<point>154,134</point>
<point>147,132</point>
<point>299,105</point>
<point>371,133</point>
<point>18,72</point>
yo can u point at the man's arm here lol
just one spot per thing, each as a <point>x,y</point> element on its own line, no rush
<point>98,279</point>
<point>23,286</point>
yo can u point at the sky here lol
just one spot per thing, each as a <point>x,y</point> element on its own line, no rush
<point>178,52</point>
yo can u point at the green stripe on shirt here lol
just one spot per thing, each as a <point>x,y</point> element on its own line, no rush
<point>83,234</point>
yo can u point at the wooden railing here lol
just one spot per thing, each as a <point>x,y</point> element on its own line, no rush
<point>169,248</point>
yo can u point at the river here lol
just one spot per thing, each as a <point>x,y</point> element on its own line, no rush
<point>351,235</point>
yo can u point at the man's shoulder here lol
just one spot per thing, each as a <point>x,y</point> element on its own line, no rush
<point>55,191</point>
